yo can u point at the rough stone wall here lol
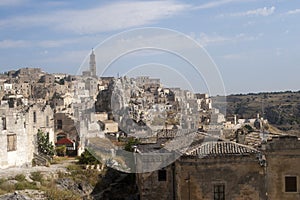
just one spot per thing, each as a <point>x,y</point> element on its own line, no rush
<point>283,159</point>
<point>151,188</point>
<point>195,178</point>
<point>44,121</point>
<point>21,156</point>
<point>68,126</point>
<point>242,176</point>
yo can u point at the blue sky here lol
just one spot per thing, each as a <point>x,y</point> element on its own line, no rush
<point>254,43</point>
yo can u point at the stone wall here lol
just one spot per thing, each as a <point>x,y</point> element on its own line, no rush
<point>17,153</point>
<point>242,177</point>
<point>154,188</point>
<point>260,175</point>
<point>283,159</point>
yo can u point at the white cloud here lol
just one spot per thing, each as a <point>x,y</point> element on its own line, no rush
<point>4,44</point>
<point>214,4</point>
<point>110,17</point>
<point>206,40</point>
<point>79,41</point>
<point>215,39</point>
<point>257,12</point>
<point>292,12</point>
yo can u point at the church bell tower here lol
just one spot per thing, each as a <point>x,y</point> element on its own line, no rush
<point>93,64</point>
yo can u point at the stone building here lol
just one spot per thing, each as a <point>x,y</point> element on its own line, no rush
<point>16,143</point>
<point>18,128</point>
<point>226,170</point>
<point>48,79</point>
<point>65,127</point>
<point>29,75</point>
<point>109,126</point>
<point>40,117</point>
<point>283,161</point>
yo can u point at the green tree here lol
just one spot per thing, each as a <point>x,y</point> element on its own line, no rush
<point>88,158</point>
<point>61,150</point>
<point>44,145</point>
<point>130,143</point>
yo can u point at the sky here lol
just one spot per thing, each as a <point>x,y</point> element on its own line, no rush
<point>254,44</point>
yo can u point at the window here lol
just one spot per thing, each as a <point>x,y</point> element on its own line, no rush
<point>291,184</point>
<point>12,142</point>
<point>34,117</point>
<point>162,175</point>
<point>47,121</point>
<point>3,123</point>
<point>219,192</point>
<point>59,124</point>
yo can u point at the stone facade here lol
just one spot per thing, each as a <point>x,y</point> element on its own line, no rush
<point>283,160</point>
<point>227,170</point>
<point>14,139</point>
<point>19,129</point>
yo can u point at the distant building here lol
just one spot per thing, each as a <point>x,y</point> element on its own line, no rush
<point>93,68</point>
<point>109,126</point>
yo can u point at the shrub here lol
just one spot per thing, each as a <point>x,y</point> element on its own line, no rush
<point>6,187</point>
<point>130,143</point>
<point>25,185</point>
<point>44,146</point>
<point>87,158</point>
<point>20,177</point>
<point>61,150</point>
<point>36,176</point>
<point>55,193</point>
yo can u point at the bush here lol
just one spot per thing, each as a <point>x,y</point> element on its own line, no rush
<point>25,185</point>
<point>20,177</point>
<point>7,188</point>
<point>2,180</point>
<point>44,146</point>
<point>55,193</point>
<point>87,158</point>
<point>36,176</point>
<point>61,150</point>
<point>130,143</point>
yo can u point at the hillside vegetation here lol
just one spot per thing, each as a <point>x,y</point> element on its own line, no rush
<point>282,109</point>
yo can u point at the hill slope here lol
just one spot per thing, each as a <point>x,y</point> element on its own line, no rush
<point>282,109</point>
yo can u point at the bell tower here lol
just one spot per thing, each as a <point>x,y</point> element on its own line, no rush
<point>93,64</point>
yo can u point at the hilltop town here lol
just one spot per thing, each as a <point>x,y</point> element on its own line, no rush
<point>216,155</point>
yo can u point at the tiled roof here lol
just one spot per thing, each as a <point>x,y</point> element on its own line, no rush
<point>214,148</point>
<point>64,141</point>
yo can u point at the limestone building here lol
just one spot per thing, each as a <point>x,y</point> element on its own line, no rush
<point>226,170</point>
<point>18,133</point>
<point>15,149</point>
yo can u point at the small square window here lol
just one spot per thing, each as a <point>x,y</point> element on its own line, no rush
<point>162,175</point>
<point>219,192</point>
<point>291,184</point>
